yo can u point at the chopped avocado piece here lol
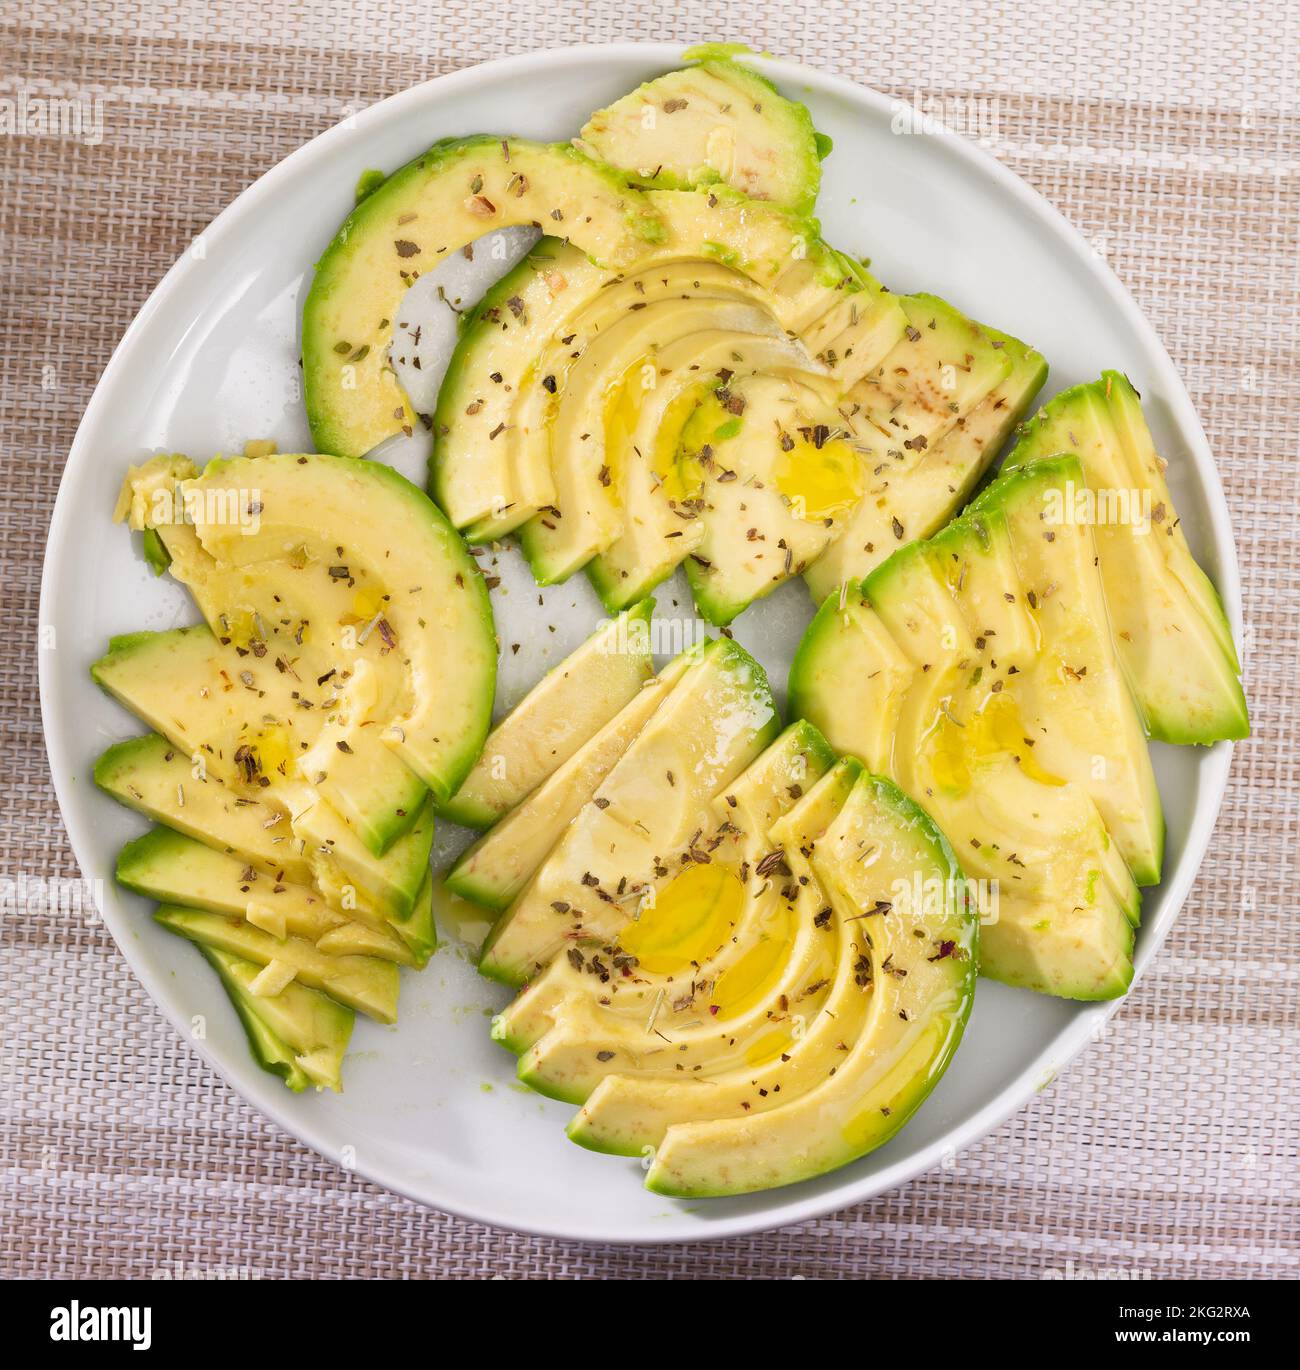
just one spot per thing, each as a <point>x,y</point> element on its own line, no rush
<point>364,983</point>
<point>909,939</point>
<point>716,122</point>
<point>773,462</point>
<point>927,422</point>
<point>1170,630</point>
<point>987,685</point>
<point>641,822</point>
<point>454,193</point>
<point>366,608</point>
<point>496,868</point>
<point>558,716</point>
<point>299,1034</point>
<point>169,867</point>
<point>155,553</point>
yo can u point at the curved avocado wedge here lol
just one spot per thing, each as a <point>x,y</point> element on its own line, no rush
<point>1170,630</point>
<point>447,197</point>
<point>716,122</point>
<point>987,684</point>
<point>299,1034</point>
<point>640,823</point>
<point>704,969</point>
<point>381,589</point>
<point>892,878</point>
<point>561,713</point>
<point>364,983</point>
<point>927,421</point>
<point>630,1110</point>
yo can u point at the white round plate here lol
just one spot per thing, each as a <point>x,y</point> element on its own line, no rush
<point>431,1108</point>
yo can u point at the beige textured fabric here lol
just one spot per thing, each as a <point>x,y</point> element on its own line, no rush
<point>1168,133</point>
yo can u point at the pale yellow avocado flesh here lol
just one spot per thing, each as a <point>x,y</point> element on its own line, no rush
<point>690,981</point>
<point>987,650</point>
<point>495,869</point>
<point>556,718</point>
<point>928,419</point>
<point>716,719</point>
<point>910,943</point>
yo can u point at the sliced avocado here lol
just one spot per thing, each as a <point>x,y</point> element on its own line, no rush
<point>631,1110</point>
<point>493,871</point>
<point>614,370</point>
<point>558,716</point>
<point>299,1034</point>
<point>458,190</point>
<point>409,943</point>
<point>389,885</point>
<point>152,776</point>
<point>364,983</point>
<point>773,463</point>
<point>987,651</point>
<point>927,421</point>
<point>372,592</point>
<point>158,778</point>
<point>167,866</point>
<point>720,932</point>
<point>664,509</point>
<point>716,122</point>
<point>495,459</point>
<point>1170,629</point>
<point>913,959</point>
<point>640,822</point>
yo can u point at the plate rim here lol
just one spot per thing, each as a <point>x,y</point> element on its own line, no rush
<point>1214,762</point>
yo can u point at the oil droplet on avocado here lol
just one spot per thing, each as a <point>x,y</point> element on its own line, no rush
<point>992,729</point>
<point>820,482</point>
<point>692,917</point>
<point>751,976</point>
<point>769,1046</point>
<point>273,749</point>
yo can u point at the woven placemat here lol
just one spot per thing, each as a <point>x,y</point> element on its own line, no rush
<point>1169,135</point>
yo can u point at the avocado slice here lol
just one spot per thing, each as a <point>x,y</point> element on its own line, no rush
<point>809,995</point>
<point>299,1034</point>
<point>493,871</point>
<point>643,817</point>
<point>927,422</point>
<point>167,866</point>
<point>664,511</point>
<point>703,966</point>
<point>364,983</point>
<point>565,709</point>
<point>364,607</point>
<point>1170,629</point>
<point>314,846</point>
<point>492,468</point>
<point>773,462</point>
<point>987,684</point>
<point>912,960</point>
<point>716,122</point>
<point>458,190</point>
<point>154,777</point>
